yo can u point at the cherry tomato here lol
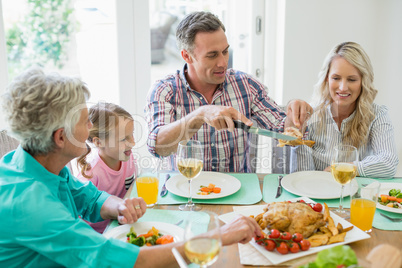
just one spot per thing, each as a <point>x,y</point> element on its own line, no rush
<point>259,240</point>
<point>317,207</point>
<point>341,266</point>
<point>274,233</point>
<point>270,245</point>
<point>283,248</point>
<point>297,237</point>
<point>294,247</point>
<point>304,245</point>
<point>286,236</point>
<point>302,201</point>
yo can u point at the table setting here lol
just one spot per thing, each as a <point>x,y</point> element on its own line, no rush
<point>190,196</point>
<point>322,181</point>
<point>239,195</point>
<point>265,187</point>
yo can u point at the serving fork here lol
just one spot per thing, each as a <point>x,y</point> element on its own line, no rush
<point>391,219</point>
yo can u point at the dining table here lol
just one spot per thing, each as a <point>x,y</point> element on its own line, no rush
<point>230,257</point>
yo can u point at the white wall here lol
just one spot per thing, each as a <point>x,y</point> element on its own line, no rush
<point>313,27</point>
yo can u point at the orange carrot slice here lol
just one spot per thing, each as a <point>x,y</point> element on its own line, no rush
<point>217,190</point>
<point>392,198</point>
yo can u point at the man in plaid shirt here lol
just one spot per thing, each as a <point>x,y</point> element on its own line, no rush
<point>201,101</point>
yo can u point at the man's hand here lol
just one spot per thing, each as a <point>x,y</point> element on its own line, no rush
<point>131,209</point>
<point>298,111</point>
<point>240,230</point>
<point>221,117</point>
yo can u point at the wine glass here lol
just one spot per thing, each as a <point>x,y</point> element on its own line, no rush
<point>202,238</point>
<point>344,169</point>
<point>190,163</point>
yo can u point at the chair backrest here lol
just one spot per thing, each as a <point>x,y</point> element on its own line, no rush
<point>280,158</point>
<point>7,143</point>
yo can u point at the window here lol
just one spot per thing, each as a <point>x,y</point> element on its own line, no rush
<point>72,39</point>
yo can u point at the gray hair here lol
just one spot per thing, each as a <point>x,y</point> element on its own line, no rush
<point>192,24</point>
<point>37,104</point>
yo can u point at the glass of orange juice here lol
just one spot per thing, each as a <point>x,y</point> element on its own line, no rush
<point>363,202</point>
<point>147,184</point>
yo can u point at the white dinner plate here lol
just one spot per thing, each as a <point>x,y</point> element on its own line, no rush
<point>384,189</point>
<point>121,231</point>
<point>275,257</point>
<point>314,184</point>
<point>178,185</point>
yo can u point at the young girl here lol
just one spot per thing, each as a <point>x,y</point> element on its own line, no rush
<point>113,167</point>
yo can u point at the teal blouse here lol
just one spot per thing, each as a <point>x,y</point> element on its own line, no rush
<point>39,219</point>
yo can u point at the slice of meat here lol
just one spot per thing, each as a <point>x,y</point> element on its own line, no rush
<point>294,132</point>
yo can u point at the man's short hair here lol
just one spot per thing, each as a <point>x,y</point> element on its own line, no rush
<point>192,24</point>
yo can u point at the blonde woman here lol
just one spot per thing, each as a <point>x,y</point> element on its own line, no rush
<point>345,113</point>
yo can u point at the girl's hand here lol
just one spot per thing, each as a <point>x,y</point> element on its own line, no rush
<point>131,209</point>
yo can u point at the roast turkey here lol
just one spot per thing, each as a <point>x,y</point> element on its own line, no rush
<point>293,218</point>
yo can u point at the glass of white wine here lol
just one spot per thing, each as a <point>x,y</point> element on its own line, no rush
<point>202,238</point>
<point>344,169</point>
<point>190,163</point>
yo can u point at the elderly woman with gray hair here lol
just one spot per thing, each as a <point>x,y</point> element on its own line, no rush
<point>41,202</point>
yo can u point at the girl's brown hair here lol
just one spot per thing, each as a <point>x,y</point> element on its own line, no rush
<point>104,117</point>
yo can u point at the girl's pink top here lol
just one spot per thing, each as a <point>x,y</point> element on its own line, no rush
<point>109,180</point>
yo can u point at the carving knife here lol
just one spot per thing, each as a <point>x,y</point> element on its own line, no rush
<point>164,190</point>
<point>264,132</point>
<point>279,190</point>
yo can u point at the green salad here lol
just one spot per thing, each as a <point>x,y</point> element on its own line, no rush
<point>142,240</point>
<point>392,200</point>
<point>152,238</point>
<point>337,257</point>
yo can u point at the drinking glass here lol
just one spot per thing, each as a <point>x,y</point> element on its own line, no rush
<point>202,238</point>
<point>344,169</point>
<point>363,202</point>
<point>147,184</point>
<point>190,163</point>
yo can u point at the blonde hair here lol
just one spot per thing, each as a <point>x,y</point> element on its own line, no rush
<point>104,117</point>
<point>37,104</point>
<point>358,129</point>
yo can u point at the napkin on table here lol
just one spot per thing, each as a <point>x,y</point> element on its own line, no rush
<point>383,223</point>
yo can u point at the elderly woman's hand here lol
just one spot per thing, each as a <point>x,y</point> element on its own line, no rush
<point>240,230</point>
<point>131,209</point>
